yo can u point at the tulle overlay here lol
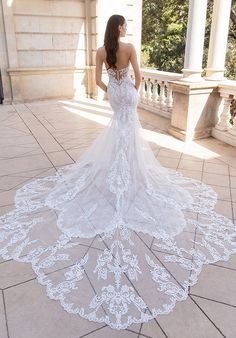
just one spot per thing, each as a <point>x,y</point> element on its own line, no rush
<point>116,237</point>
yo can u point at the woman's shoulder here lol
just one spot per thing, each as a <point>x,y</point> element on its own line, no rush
<point>128,48</point>
<point>101,50</point>
<point>127,45</point>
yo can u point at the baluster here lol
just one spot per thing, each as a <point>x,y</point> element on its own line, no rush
<point>162,96</point>
<point>149,92</point>
<point>142,90</point>
<point>157,102</point>
<point>146,91</point>
<point>169,98</point>
<point>232,130</point>
<point>224,115</point>
<point>155,93</point>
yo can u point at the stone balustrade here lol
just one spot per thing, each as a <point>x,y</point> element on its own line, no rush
<point>155,94</point>
<point>224,130</point>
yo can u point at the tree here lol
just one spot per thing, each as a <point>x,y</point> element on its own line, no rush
<point>164,35</point>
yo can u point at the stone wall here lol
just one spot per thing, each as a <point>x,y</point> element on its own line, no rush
<point>48,47</point>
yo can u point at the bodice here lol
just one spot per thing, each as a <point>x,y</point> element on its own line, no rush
<point>118,74</point>
<point>122,95</point>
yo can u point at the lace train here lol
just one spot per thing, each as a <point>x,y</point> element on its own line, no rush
<point>116,237</point>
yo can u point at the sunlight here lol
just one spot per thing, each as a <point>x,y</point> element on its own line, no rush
<point>9,3</point>
<point>196,150</point>
<point>168,142</point>
<point>84,104</point>
<point>163,140</point>
<point>89,116</point>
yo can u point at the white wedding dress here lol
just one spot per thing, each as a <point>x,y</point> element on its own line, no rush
<point>116,237</point>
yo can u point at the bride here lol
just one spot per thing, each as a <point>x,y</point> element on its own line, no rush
<point>115,237</point>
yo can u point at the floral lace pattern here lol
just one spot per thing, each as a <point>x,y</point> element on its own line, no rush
<point>116,238</point>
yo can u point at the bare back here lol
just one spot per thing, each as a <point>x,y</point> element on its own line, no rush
<point>126,54</point>
<point>123,55</point>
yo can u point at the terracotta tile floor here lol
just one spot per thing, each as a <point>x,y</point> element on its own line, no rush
<point>37,138</point>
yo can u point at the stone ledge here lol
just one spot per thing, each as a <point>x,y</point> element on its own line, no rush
<point>228,87</point>
<point>47,82</point>
<point>193,87</point>
<point>44,70</point>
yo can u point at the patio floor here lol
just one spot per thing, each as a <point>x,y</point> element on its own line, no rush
<point>36,139</point>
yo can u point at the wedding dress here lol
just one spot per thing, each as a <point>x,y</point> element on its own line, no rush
<point>116,237</point>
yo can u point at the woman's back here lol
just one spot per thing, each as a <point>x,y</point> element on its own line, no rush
<point>123,55</point>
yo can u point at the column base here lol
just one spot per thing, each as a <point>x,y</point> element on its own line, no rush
<point>213,74</point>
<point>192,75</point>
<point>18,101</point>
<point>7,101</point>
<point>188,136</point>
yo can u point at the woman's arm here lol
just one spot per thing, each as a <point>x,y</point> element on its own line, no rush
<point>134,63</point>
<point>99,63</point>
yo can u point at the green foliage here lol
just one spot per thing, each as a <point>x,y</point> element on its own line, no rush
<point>164,36</point>
<point>231,50</point>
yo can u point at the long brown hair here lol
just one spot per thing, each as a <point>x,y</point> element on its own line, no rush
<point>111,38</point>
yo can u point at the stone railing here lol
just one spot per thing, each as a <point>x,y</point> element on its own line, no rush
<point>155,93</point>
<point>224,130</point>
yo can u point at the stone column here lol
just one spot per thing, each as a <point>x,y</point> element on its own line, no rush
<point>218,40</point>
<point>194,41</point>
<point>6,83</point>
<point>9,27</point>
<point>10,33</point>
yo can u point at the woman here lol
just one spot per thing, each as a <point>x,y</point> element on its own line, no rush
<point>119,54</point>
<point>116,237</point>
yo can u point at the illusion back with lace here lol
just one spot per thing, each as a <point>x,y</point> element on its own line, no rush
<point>121,91</point>
<point>116,237</point>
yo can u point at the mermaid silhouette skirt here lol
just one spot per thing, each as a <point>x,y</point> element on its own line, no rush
<point>117,238</point>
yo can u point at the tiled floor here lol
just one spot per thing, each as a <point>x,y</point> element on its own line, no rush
<point>39,137</point>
